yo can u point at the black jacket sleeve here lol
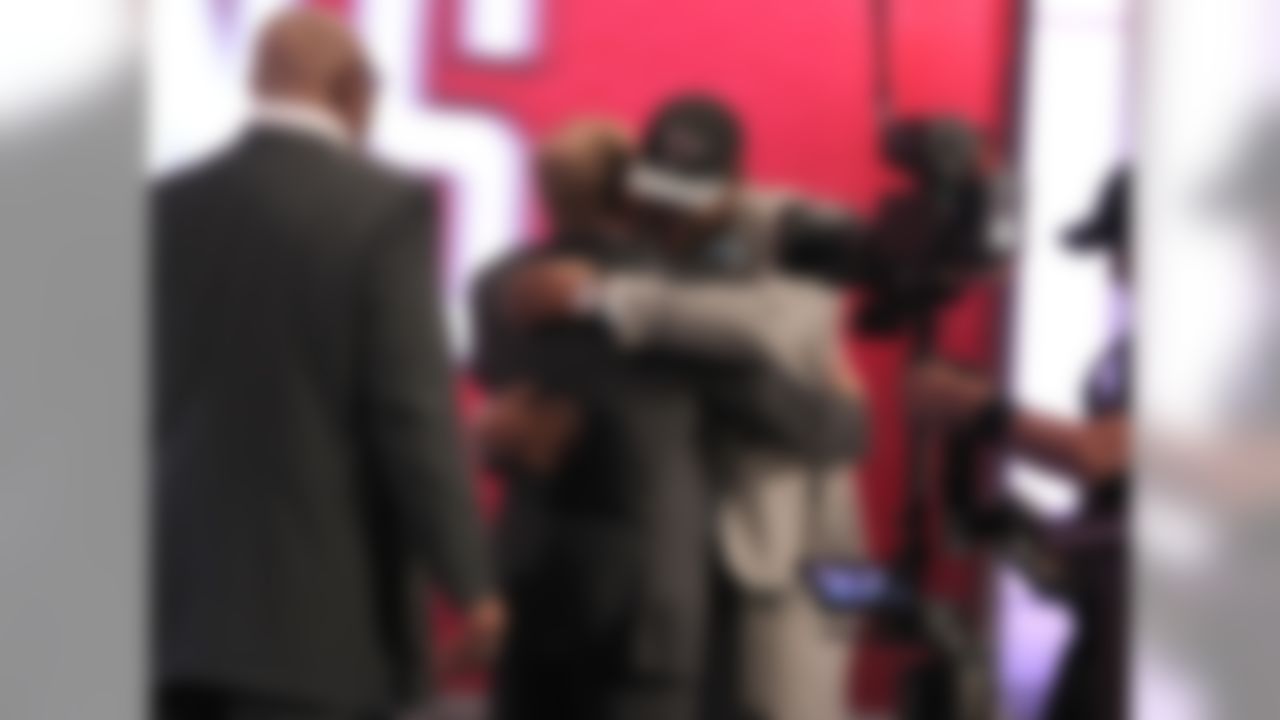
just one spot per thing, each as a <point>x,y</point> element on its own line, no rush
<point>817,423</point>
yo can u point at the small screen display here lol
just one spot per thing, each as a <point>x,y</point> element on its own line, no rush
<point>849,585</point>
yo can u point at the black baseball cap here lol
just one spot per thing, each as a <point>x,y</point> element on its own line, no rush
<point>690,156</point>
<point>1107,227</point>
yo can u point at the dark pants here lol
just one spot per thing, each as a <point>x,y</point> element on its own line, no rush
<point>722,689</point>
<point>192,703</point>
<point>1094,681</point>
<point>554,668</point>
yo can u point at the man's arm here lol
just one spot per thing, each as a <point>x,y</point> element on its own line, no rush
<point>775,375</point>
<point>498,352</point>
<point>411,410</point>
<point>740,320</point>
<point>711,318</point>
<point>780,378</point>
<point>1095,451</point>
<point>744,334</point>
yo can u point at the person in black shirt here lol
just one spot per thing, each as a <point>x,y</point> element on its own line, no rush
<point>1092,551</point>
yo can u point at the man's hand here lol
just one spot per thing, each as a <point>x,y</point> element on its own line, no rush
<point>946,393</point>
<point>550,290</point>
<point>483,632</point>
<point>842,375</point>
<point>527,429</point>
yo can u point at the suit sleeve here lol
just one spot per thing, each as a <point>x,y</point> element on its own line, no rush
<point>725,320</point>
<point>818,424</point>
<point>493,358</point>
<point>745,329</point>
<point>412,410</point>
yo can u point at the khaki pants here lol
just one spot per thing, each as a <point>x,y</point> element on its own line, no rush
<point>794,659</point>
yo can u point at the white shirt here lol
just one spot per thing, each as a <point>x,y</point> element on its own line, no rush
<point>304,118</point>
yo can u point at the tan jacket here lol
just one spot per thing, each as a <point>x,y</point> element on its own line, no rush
<point>777,510</point>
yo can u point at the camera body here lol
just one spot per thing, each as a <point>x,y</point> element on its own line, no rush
<point>922,244</point>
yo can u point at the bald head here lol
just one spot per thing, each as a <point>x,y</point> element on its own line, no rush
<point>309,56</point>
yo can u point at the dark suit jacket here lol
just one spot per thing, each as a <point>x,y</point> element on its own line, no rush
<point>306,459</point>
<point>604,560</point>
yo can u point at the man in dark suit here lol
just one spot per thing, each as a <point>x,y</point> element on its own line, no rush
<point>573,429</point>
<point>305,451</point>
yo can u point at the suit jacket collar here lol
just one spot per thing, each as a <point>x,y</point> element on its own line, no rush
<point>302,119</point>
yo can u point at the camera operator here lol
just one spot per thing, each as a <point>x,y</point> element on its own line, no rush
<point>1091,551</point>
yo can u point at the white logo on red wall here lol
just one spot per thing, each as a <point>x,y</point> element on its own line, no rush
<point>200,55</point>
